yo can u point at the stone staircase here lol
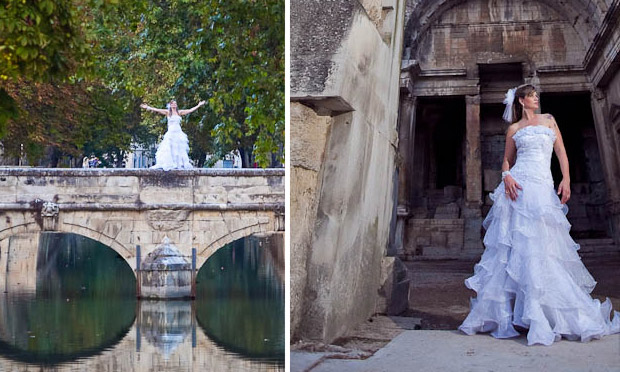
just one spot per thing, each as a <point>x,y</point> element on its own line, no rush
<point>597,247</point>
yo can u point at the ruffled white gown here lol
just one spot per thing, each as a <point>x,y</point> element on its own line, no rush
<point>172,152</point>
<point>530,274</point>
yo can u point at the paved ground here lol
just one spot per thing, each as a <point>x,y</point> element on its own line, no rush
<point>439,297</point>
<point>426,340</point>
<point>452,351</point>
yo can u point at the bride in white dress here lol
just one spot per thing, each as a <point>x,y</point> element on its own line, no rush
<point>530,274</point>
<point>172,152</point>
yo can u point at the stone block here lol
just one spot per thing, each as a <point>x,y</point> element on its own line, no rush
<point>112,228</point>
<point>157,195</point>
<point>394,287</point>
<point>142,238</point>
<point>455,239</point>
<point>439,239</point>
<point>211,194</point>
<point>423,240</point>
<point>447,211</point>
<point>122,184</point>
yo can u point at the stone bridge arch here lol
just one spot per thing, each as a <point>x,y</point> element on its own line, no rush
<point>125,208</point>
<point>87,230</point>
<point>240,232</point>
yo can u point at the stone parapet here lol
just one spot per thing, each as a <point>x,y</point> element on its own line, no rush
<point>140,189</point>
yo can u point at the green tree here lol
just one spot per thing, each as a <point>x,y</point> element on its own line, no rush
<point>230,53</point>
<point>117,54</point>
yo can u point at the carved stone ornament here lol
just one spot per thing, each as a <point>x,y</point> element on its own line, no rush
<point>49,209</point>
<point>163,220</point>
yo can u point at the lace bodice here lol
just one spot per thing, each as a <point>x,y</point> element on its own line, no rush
<point>534,149</point>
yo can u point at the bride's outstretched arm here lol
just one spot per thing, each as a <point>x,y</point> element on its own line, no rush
<point>185,112</point>
<point>149,108</point>
<point>560,152</point>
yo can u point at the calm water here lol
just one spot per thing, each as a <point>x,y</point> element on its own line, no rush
<point>77,311</point>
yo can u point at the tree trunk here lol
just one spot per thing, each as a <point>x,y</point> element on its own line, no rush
<point>246,157</point>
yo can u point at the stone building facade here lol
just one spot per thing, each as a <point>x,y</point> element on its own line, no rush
<point>397,138</point>
<point>459,59</point>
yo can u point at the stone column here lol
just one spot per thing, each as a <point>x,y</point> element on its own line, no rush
<point>473,162</point>
<point>406,133</point>
<point>472,244</point>
<point>608,148</point>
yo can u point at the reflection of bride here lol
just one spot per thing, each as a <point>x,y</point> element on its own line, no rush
<point>172,152</point>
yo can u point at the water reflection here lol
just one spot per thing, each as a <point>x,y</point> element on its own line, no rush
<point>238,290</point>
<point>56,330</point>
<point>83,315</point>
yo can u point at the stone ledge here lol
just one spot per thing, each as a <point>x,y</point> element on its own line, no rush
<point>143,207</point>
<point>145,172</point>
<point>325,105</point>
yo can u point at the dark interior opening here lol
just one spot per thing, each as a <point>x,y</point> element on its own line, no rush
<point>573,113</point>
<point>439,145</point>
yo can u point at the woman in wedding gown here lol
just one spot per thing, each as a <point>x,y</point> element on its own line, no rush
<point>530,274</point>
<point>172,152</point>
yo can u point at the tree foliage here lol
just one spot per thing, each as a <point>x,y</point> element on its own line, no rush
<point>117,54</point>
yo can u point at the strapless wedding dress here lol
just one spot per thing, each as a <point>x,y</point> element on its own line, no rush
<point>172,152</point>
<point>530,274</point>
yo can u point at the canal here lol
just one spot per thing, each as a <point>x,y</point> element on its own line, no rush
<point>81,313</point>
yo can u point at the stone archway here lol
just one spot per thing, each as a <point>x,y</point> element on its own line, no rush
<point>474,51</point>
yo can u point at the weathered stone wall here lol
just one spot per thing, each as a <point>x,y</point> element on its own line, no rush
<point>478,31</point>
<point>202,209</point>
<point>434,238</point>
<point>309,132</point>
<point>347,66</point>
<point>18,257</point>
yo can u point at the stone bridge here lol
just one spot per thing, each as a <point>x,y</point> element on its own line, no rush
<point>123,208</point>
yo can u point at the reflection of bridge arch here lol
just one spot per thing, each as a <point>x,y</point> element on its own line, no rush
<point>23,316</point>
<point>11,352</point>
<point>135,352</point>
<point>236,349</point>
<point>248,268</point>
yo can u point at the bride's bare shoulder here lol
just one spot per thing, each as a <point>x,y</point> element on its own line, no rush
<point>549,121</point>
<point>512,129</point>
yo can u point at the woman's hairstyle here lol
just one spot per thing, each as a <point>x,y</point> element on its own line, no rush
<point>170,108</point>
<point>514,108</point>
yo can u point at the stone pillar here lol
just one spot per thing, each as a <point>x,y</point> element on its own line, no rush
<point>166,274</point>
<point>472,245</point>
<point>608,148</point>
<point>473,162</point>
<point>406,140</point>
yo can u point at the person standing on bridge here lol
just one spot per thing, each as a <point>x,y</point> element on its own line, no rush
<point>530,275</point>
<point>172,152</point>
